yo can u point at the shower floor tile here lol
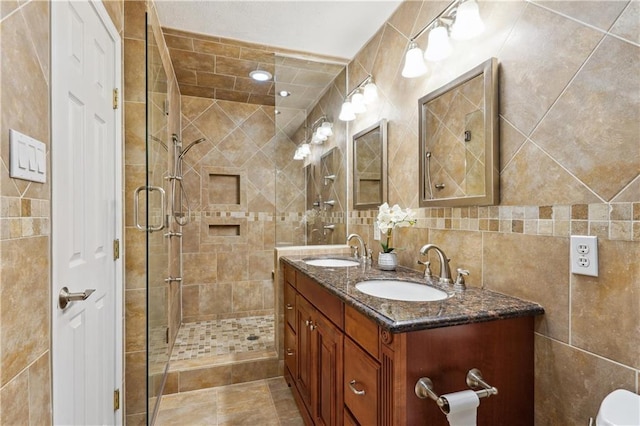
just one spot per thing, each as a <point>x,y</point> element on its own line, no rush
<point>224,337</point>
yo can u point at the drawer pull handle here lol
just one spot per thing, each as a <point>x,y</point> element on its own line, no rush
<point>289,307</point>
<point>354,389</point>
<point>313,326</point>
<point>289,352</point>
<point>307,323</point>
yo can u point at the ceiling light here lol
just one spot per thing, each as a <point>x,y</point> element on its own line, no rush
<point>346,112</point>
<point>276,112</point>
<point>439,46</point>
<point>414,65</point>
<point>284,93</point>
<point>260,75</point>
<point>468,23</point>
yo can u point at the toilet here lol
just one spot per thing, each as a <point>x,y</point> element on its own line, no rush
<point>619,408</point>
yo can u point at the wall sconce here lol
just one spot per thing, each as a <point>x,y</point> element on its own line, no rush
<point>321,130</point>
<point>356,101</point>
<point>461,17</point>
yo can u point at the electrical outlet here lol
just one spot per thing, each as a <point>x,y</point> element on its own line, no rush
<point>584,255</point>
<point>376,231</point>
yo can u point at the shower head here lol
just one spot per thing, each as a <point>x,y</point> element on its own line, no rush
<point>184,151</point>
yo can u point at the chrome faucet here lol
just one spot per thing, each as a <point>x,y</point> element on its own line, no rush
<point>445,272</point>
<point>361,244</point>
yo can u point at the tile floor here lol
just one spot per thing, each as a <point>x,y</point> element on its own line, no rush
<point>217,338</point>
<point>263,402</point>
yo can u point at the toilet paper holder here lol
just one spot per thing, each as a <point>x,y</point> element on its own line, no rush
<point>424,389</point>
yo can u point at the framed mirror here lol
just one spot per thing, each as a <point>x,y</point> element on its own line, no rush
<point>370,166</point>
<point>459,141</point>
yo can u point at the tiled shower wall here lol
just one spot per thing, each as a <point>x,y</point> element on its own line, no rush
<point>25,262</point>
<point>230,182</point>
<point>570,158</point>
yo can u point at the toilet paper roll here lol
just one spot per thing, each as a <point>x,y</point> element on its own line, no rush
<point>462,408</point>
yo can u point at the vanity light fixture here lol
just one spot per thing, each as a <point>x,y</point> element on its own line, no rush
<point>260,75</point>
<point>461,17</point>
<point>321,130</point>
<point>355,102</point>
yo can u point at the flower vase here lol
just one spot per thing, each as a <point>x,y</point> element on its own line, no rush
<point>387,261</point>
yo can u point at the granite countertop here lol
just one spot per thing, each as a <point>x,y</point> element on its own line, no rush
<point>469,306</point>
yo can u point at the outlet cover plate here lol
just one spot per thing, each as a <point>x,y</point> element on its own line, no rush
<point>584,255</point>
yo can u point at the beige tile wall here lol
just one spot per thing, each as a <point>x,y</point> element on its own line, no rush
<point>570,162</point>
<point>228,246</point>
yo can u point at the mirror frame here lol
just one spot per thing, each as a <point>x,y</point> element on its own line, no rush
<point>489,70</point>
<point>382,127</point>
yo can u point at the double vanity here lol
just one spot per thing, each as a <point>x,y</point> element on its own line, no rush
<point>358,340</point>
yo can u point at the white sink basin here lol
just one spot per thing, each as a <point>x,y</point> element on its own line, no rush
<point>331,262</point>
<point>401,290</point>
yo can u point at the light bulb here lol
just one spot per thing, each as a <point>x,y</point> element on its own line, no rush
<point>305,149</point>
<point>357,100</point>
<point>325,129</point>
<point>439,46</point>
<point>414,65</point>
<point>316,139</point>
<point>468,23</point>
<point>298,155</point>
<point>346,113</point>
<point>370,93</point>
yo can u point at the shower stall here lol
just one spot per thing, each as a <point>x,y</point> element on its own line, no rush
<point>223,190</point>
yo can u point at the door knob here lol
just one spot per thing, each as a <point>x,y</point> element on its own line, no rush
<point>65,297</point>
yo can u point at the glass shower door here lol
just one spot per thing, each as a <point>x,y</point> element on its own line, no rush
<point>157,171</point>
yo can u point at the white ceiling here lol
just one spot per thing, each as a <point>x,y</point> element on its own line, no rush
<point>330,28</point>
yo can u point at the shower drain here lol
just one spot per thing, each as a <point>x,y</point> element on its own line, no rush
<point>253,337</point>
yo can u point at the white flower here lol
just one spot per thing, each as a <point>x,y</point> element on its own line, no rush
<point>389,218</point>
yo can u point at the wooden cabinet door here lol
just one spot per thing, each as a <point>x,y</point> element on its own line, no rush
<point>290,351</point>
<point>327,394</point>
<point>304,317</point>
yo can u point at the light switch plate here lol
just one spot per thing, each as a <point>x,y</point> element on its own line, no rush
<point>28,157</point>
<point>584,255</point>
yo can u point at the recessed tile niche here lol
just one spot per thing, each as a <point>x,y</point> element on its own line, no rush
<point>224,189</point>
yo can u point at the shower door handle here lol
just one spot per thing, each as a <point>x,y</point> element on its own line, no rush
<point>136,201</point>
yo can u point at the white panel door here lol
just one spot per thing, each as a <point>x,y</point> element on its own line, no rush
<point>85,200</point>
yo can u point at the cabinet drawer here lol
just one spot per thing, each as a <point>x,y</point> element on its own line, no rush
<point>290,351</point>
<point>325,302</point>
<point>362,330</point>
<point>290,306</point>
<point>361,384</point>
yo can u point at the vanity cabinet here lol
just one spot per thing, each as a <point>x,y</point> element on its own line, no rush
<point>314,348</point>
<point>346,369</point>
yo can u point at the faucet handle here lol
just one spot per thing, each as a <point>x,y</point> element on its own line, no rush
<point>427,269</point>
<point>460,284</point>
